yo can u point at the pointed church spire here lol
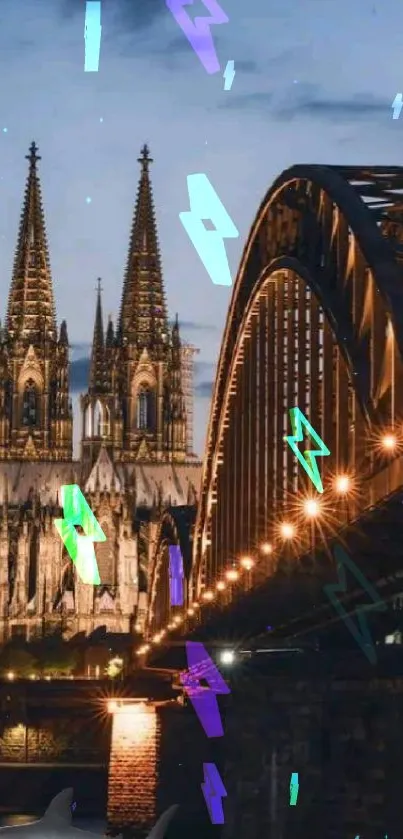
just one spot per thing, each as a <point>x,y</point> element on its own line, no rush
<point>97,366</point>
<point>31,308</point>
<point>143,316</point>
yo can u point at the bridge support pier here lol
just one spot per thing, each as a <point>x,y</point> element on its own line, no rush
<point>132,780</point>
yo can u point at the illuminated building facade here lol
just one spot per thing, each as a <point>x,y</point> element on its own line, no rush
<point>136,450</point>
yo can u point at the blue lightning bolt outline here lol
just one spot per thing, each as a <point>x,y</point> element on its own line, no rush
<point>397,103</point>
<point>92,35</point>
<point>205,204</point>
<point>213,791</point>
<point>229,74</point>
<point>363,638</point>
<point>307,459</point>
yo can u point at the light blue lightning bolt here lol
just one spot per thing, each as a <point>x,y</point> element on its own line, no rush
<point>92,35</point>
<point>229,75</point>
<point>362,634</point>
<point>397,106</point>
<point>308,458</point>
<point>205,204</point>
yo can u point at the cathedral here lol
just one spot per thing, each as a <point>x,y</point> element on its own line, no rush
<point>136,447</point>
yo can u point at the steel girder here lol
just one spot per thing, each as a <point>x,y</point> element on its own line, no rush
<point>339,230</point>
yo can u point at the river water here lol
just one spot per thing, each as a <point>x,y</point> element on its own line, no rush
<point>96,825</point>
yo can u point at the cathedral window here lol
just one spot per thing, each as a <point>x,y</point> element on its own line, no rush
<point>98,420</point>
<point>30,406</point>
<point>145,412</point>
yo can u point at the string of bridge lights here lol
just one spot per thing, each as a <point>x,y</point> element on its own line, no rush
<point>314,509</point>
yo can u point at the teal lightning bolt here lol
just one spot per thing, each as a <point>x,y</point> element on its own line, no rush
<point>308,458</point>
<point>205,204</point>
<point>361,632</point>
<point>80,548</point>
<point>294,787</point>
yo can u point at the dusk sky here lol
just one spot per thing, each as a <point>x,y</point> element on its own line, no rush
<point>315,80</point>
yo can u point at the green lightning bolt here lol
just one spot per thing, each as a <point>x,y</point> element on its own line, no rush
<point>308,458</point>
<point>80,548</point>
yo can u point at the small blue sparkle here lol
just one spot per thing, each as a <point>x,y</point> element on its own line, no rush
<point>88,199</point>
<point>5,130</point>
<point>101,119</point>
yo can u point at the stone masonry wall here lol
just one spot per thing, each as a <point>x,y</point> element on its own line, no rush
<point>343,737</point>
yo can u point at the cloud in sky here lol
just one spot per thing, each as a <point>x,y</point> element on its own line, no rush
<point>295,97</point>
<point>308,101</point>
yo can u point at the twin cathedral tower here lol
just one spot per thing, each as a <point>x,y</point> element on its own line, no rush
<point>136,456</point>
<point>138,403</point>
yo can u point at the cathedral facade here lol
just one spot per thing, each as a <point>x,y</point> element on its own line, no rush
<point>136,449</point>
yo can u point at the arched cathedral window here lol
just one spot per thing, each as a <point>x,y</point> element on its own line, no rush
<point>30,404</point>
<point>145,409</point>
<point>142,408</point>
<point>98,420</point>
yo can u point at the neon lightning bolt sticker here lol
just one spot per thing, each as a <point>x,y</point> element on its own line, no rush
<point>92,35</point>
<point>80,548</point>
<point>203,699</point>
<point>361,632</point>
<point>198,32</point>
<point>214,791</point>
<point>308,458</point>
<point>294,786</point>
<point>397,106</point>
<point>176,575</point>
<point>205,204</point>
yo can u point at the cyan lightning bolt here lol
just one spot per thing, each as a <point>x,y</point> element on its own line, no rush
<point>294,787</point>
<point>308,458</point>
<point>361,632</point>
<point>205,204</point>
<point>397,106</point>
<point>214,791</point>
<point>198,32</point>
<point>229,75</point>
<point>92,35</point>
<point>80,548</point>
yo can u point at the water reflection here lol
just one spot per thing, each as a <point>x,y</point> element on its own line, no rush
<point>96,825</point>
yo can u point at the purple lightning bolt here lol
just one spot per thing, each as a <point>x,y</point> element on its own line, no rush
<point>176,575</point>
<point>203,699</point>
<point>198,31</point>
<point>214,791</point>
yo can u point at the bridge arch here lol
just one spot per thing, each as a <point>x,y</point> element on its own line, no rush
<point>315,321</point>
<point>174,528</point>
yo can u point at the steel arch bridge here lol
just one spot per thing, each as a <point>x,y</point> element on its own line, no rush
<point>315,321</point>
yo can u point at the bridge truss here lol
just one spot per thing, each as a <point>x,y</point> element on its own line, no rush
<point>315,321</point>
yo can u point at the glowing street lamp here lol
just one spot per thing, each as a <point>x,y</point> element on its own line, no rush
<point>389,442</point>
<point>342,484</point>
<point>266,548</point>
<point>287,530</point>
<point>311,508</point>
<point>232,575</point>
<point>247,563</point>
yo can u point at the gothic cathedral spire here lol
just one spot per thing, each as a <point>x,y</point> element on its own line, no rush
<point>134,406</point>
<point>97,366</point>
<point>143,316</point>
<point>35,409</point>
<point>30,303</point>
<point>102,420</point>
